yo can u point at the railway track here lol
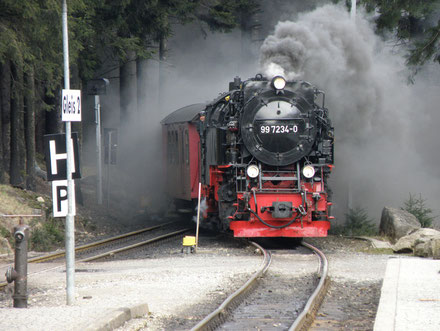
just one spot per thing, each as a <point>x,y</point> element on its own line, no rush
<point>107,248</point>
<point>263,302</point>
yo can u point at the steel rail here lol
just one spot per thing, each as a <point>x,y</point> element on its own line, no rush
<point>127,248</point>
<point>305,319</point>
<point>57,255</point>
<point>53,256</point>
<point>302,322</point>
<point>217,316</point>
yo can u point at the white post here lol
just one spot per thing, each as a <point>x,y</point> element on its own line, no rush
<point>198,215</point>
<point>70,218</point>
<point>98,149</point>
<point>349,194</point>
<point>109,157</point>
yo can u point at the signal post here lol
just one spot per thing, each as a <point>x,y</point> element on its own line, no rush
<point>71,111</point>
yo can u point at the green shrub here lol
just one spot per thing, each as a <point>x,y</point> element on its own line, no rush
<point>417,207</point>
<point>357,223</point>
<point>48,236</point>
<point>5,233</point>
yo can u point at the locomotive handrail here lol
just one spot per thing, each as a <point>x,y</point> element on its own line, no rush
<point>274,190</point>
<point>278,178</point>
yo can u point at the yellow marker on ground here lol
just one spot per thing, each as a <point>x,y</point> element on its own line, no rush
<point>189,241</point>
<point>189,244</point>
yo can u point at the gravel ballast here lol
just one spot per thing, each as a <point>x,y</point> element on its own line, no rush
<point>167,284</point>
<point>356,272</point>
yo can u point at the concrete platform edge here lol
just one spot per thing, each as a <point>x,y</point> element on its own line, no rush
<point>386,312</point>
<point>118,317</point>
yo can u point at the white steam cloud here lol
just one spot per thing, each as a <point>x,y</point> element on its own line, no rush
<point>377,116</point>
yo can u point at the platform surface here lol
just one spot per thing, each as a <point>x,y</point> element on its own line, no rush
<point>410,296</point>
<point>109,293</point>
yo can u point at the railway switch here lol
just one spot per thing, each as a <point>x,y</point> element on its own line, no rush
<point>18,274</point>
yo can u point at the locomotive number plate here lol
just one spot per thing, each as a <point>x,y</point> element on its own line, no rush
<point>278,129</point>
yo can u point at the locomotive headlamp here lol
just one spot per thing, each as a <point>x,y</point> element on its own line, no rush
<point>308,171</point>
<point>253,171</point>
<point>278,82</point>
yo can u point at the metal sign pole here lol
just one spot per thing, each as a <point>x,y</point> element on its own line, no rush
<point>70,219</point>
<point>109,157</point>
<point>98,148</point>
<point>97,87</point>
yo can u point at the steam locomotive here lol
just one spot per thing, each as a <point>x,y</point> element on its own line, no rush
<point>262,151</point>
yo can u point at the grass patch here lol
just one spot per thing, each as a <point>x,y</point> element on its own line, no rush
<point>12,201</point>
<point>46,232</point>
<point>5,233</point>
<point>379,251</point>
<point>47,235</point>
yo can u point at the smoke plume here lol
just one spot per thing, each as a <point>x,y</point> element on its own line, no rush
<point>380,148</point>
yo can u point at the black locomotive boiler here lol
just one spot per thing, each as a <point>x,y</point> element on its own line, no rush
<point>262,152</point>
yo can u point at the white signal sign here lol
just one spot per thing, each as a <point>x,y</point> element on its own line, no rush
<point>71,106</point>
<point>56,156</point>
<point>59,198</point>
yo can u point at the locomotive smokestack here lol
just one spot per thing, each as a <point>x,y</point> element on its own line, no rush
<point>235,85</point>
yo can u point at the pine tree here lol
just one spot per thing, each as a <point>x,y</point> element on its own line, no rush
<point>357,223</point>
<point>414,23</point>
<point>417,207</point>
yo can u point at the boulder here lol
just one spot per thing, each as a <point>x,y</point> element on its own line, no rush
<point>435,247</point>
<point>428,247</point>
<point>422,248</point>
<point>419,242</point>
<point>404,245</point>
<point>397,223</point>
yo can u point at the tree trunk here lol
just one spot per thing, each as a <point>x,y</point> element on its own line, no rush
<point>29,106</point>
<point>40,118</point>
<point>250,27</point>
<point>148,89</point>
<point>53,117</point>
<point>128,90</point>
<point>162,60</point>
<point>16,96</point>
<point>21,131</point>
<point>5,113</point>
<point>141,84</point>
<point>130,124</point>
<point>2,172</point>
